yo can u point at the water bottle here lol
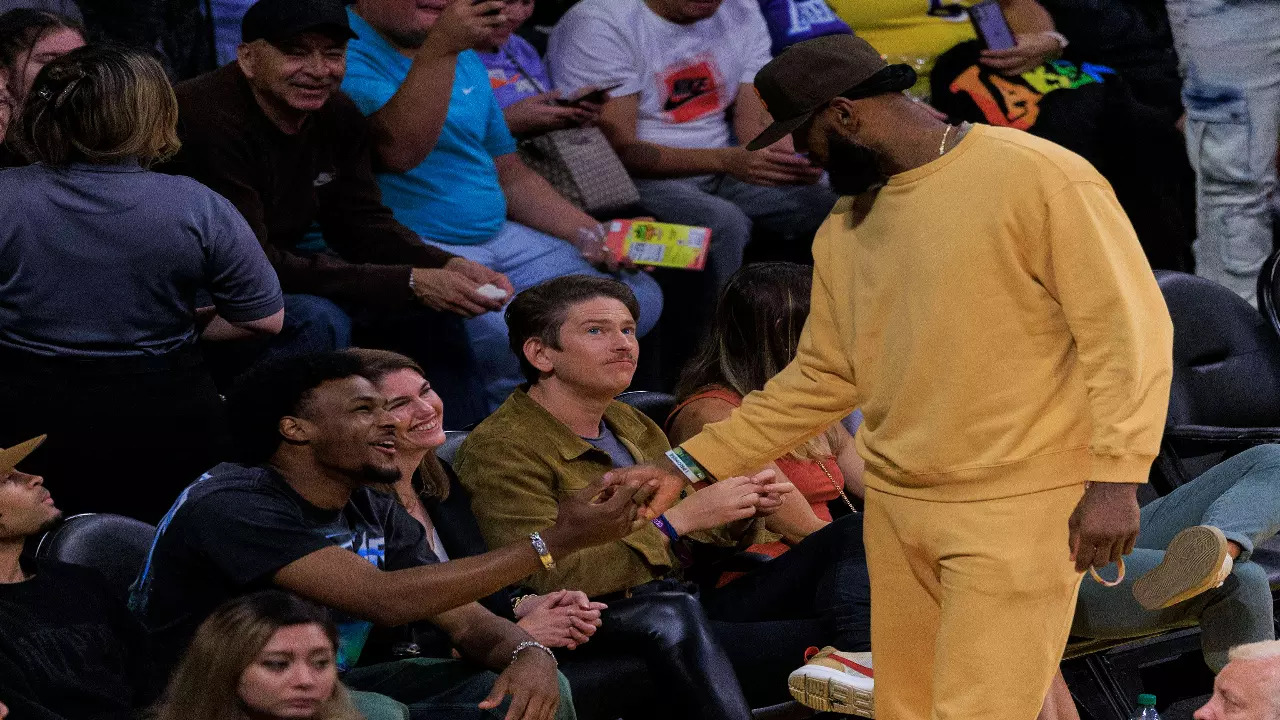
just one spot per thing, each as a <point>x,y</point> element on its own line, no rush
<point>1146,709</point>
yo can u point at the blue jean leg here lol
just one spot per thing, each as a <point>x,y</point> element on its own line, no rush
<point>1230,56</point>
<point>528,257</point>
<point>1238,497</point>
<point>312,324</point>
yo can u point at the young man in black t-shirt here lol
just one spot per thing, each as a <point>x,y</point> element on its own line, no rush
<point>69,649</point>
<point>310,515</point>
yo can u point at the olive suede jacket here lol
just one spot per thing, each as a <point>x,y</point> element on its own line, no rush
<point>521,461</point>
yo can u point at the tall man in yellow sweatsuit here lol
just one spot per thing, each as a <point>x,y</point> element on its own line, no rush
<point>989,309</point>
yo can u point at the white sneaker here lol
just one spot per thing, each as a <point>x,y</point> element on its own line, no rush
<point>834,681</point>
<point>1196,561</point>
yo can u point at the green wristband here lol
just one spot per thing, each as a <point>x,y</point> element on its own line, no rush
<point>685,463</point>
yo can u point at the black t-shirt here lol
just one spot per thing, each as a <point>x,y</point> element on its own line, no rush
<point>234,528</point>
<point>70,649</point>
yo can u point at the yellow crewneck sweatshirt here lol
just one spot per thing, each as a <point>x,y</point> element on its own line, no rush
<point>994,318</point>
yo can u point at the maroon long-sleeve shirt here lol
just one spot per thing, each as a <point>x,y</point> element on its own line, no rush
<point>285,185</point>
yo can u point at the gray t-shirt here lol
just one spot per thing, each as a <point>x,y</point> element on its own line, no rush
<point>609,443</point>
<point>112,260</point>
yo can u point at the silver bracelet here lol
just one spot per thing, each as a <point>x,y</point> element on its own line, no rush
<point>533,644</point>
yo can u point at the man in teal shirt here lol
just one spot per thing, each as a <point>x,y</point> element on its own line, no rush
<point>451,172</point>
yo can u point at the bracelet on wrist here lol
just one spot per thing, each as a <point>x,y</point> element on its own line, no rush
<point>533,644</point>
<point>515,604</point>
<point>540,547</point>
<point>685,463</point>
<point>679,547</point>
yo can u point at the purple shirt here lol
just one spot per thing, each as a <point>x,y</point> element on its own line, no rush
<point>510,78</point>
<point>793,21</point>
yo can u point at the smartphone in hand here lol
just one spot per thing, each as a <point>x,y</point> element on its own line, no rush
<point>989,22</point>
<point>594,96</point>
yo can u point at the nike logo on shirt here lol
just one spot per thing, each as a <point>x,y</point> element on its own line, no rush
<point>686,89</point>
<point>467,91</point>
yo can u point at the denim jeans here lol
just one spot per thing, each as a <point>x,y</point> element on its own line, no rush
<point>1237,496</point>
<point>528,257</point>
<point>433,689</point>
<point>1229,51</point>
<point>731,208</point>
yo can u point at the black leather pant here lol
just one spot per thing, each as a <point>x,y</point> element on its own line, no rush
<point>691,677</point>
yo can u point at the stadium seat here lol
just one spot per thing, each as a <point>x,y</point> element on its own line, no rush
<point>114,545</point>
<point>657,405</point>
<point>452,441</point>
<point>1269,291</point>
<point>1225,398</point>
<point>1226,379</point>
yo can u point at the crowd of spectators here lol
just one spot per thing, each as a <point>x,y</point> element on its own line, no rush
<point>250,253</point>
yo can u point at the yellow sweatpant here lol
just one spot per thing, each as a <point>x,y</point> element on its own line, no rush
<point>971,603</point>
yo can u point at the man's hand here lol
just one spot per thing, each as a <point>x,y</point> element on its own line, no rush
<point>449,291</point>
<point>464,26</point>
<point>596,515</point>
<point>533,685</point>
<point>591,243</point>
<point>540,114</point>
<point>481,275</point>
<point>718,504</point>
<point>1104,526</point>
<point>660,487</point>
<point>564,618</point>
<point>773,166</point>
<point>772,492</point>
<point>1031,52</point>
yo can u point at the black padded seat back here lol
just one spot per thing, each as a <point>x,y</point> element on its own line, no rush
<point>114,545</point>
<point>656,405</point>
<point>1269,291</point>
<point>452,441</point>
<point>1226,357</point>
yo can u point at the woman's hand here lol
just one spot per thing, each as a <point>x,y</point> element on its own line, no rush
<point>726,501</point>
<point>564,618</point>
<point>541,114</point>
<point>1032,51</point>
<point>795,519</point>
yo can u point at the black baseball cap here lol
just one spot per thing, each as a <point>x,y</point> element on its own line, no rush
<point>280,20</point>
<point>808,75</point>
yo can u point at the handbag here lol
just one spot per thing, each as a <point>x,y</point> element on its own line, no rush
<point>579,163</point>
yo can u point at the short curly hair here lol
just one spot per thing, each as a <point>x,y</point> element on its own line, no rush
<point>277,389</point>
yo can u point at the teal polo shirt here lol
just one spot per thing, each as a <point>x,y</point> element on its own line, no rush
<point>453,196</point>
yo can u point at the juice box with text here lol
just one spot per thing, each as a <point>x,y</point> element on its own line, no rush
<point>647,242</point>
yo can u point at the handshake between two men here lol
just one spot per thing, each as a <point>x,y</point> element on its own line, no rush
<point>627,499</point>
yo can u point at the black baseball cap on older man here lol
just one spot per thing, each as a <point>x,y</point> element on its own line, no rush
<point>280,20</point>
<point>808,75</point>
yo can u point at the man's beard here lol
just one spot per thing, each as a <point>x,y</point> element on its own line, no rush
<point>852,168</point>
<point>374,475</point>
<point>51,523</point>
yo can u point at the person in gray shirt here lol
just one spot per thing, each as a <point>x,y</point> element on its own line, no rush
<point>109,273</point>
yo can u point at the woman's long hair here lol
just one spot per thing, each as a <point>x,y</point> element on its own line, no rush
<point>756,333</point>
<point>206,684</point>
<point>431,481</point>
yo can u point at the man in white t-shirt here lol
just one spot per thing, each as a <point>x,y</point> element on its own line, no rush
<point>683,69</point>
